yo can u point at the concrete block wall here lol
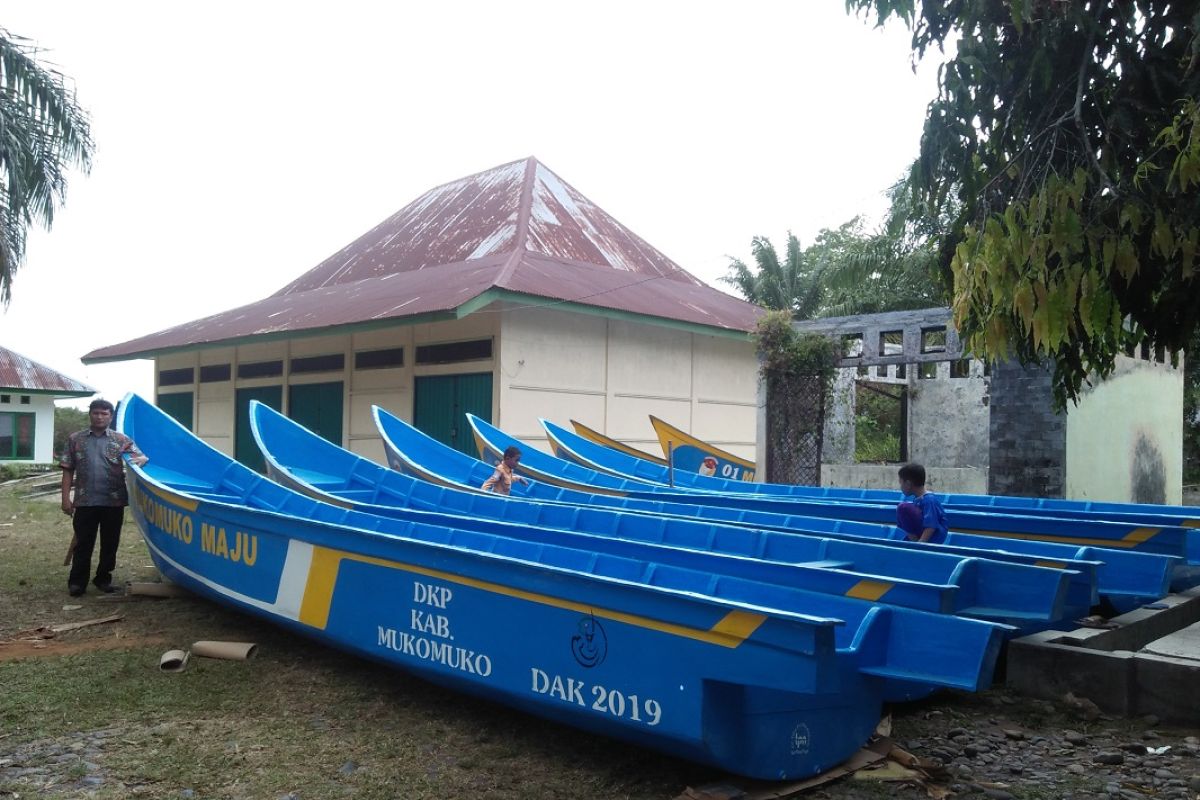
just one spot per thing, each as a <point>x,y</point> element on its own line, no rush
<point>1027,454</point>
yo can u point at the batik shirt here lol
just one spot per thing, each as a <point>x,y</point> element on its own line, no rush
<point>99,469</point>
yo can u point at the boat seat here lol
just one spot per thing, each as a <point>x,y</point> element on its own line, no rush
<point>827,564</point>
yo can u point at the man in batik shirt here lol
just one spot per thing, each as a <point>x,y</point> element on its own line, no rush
<point>94,466</point>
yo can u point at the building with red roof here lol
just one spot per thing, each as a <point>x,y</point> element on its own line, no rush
<point>506,293</point>
<point>27,394</point>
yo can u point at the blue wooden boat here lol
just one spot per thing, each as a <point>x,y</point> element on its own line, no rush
<point>1173,541</point>
<point>689,454</point>
<point>1028,597</point>
<point>589,452</point>
<point>758,679</point>
<point>593,435</point>
<point>1124,577</point>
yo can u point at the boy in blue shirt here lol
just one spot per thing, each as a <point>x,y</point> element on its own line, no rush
<point>933,516</point>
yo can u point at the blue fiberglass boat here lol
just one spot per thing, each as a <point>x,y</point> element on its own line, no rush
<point>1125,578</point>
<point>596,436</point>
<point>590,452</point>
<point>1173,541</point>
<point>1028,597</point>
<point>761,680</point>
<point>693,455</point>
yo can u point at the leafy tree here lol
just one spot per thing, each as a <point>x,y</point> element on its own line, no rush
<point>847,270</point>
<point>892,269</point>
<point>67,420</point>
<point>1065,134</point>
<point>43,132</point>
<point>793,284</point>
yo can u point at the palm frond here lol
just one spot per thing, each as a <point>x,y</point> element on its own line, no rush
<point>43,133</point>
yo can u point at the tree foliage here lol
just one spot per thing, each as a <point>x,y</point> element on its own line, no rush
<point>67,420</point>
<point>43,132</point>
<point>793,284</point>
<point>781,349</point>
<point>848,270</point>
<point>1064,132</point>
<point>892,269</point>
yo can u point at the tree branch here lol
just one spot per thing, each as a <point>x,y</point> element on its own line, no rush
<point>1087,144</point>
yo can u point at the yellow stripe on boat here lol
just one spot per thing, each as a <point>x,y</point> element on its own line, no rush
<point>170,497</point>
<point>1130,540</point>
<point>668,433</point>
<point>730,631</point>
<point>599,438</point>
<point>869,590</point>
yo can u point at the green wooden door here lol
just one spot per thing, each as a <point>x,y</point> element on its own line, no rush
<point>318,407</point>
<point>245,450</point>
<point>179,406</point>
<point>441,401</point>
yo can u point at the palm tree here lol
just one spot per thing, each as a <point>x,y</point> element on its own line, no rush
<point>847,270</point>
<point>893,269</point>
<point>43,132</point>
<point>792,285</point>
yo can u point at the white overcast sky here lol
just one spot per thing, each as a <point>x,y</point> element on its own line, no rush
<point>239,144</point>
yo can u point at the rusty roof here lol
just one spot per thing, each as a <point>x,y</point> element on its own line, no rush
<point>516,228</point>
<point>23,374</point>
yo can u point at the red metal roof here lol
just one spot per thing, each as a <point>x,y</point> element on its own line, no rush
<point>517,227</point>
<point>20,373</point>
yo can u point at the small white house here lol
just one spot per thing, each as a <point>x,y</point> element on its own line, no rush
<point>27,394</point>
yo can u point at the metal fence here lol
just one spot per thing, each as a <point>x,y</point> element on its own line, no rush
<point>795,414</point>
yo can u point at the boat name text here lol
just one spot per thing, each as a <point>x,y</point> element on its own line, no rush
<point>213,540</point>
<point>171,522</point>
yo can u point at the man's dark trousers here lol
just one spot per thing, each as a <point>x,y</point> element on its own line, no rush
<point>86,521</point>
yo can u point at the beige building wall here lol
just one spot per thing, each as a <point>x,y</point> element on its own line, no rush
<point>612,374</point>
<point>390,388</point>
<point>1124,439</point>
<point>562,365</point>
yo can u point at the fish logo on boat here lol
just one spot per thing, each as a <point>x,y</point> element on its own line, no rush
<point>590,644</point>
<point>800,739</point>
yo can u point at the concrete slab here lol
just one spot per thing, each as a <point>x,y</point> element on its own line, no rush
<point>1184,644</point>
<point>1148,664</point>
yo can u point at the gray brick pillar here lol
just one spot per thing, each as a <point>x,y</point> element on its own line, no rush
<point>1027,454</point>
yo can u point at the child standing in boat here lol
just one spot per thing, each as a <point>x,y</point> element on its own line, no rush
<point>502,479</point>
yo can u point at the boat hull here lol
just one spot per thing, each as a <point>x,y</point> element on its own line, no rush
<point>686,452</point>
<point>678,678</point>
<point>1127,577</point>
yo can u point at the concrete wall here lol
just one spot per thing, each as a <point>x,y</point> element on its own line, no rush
<point>838,443</point>
<point>1124,439</point>
<point>1028,451</point>
<point>608,374</point>
<point>612,374</point>
<point>944,480</point>
<point>949,417</point>
<point>42,408</point>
